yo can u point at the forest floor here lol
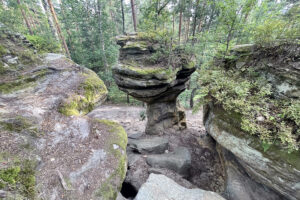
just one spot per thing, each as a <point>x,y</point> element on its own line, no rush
<point>130,117</point>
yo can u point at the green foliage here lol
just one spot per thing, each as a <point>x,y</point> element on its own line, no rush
<point>44,44</point>
<point>3,50</point>
<point>275,30</point>
<point>20,176</point>
<point>239,92</point>
<point>9,176</point>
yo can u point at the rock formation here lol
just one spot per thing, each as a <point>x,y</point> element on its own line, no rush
<point>254,172</point>
<point>162,187</point>
<point>149,72</point>
<point>48,148</point>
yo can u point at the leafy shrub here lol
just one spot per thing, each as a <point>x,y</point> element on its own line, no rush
<point>274,31</point>
<point>43,44</point>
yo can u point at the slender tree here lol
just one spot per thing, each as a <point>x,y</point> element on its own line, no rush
<point>99,11</point>
<point>195,21</point>
<point>133,14</point>
<point>58,28</point>
<point>123,17</point>
<point>25,18</point>
<point>49,19</point>
<point>180,22</point>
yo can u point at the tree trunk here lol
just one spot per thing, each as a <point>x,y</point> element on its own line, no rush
<point>58,29</point>
<point>192,97</point>
<point>180,24</point>
<point>173,22</point>
<point>123,17</point>
<point>195,21</point>
<point>101,35</point>
<point>25,18</point>
<point>128,99</point>
<point>156,15</point>
<point>187,30</point>
<point>133,15</point>
<point>50,21</point>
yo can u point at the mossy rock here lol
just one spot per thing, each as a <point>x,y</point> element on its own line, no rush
<point>161,73</point>
<point>109,189</point>
<point>90,91</point>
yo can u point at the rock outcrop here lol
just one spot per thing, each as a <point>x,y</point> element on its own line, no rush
<point>49,148</point>
<point>162,187</point>
<point>148,73</point>
<point>255,171</point>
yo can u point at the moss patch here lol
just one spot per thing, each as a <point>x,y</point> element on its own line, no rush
<point>154,71</point>
<point>109,190</point>
<point>19,176</point>
<point>20,124</point>
<point>3,50</point>
<point>22,82</point>
<point>141,45</point>
<point>28,57</point>
<point>90,91</point>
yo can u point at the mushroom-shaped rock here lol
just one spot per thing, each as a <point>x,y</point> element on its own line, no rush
<point>155,72</point>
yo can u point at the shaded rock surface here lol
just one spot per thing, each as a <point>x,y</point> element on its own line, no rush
<point>155,145</point>
<point>56,151</point>
<point>179,161</point>
<point>162,187</point>
<point>156,81</point>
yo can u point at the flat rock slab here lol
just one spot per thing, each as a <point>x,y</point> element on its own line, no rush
<point>155,145</point>
<point>135,135</point>
<point>178,161</point>
<point>164,188</point>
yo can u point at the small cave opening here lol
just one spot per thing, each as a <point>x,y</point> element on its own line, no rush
<point>128,191</point>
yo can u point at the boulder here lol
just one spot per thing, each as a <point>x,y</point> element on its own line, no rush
<point>154,145</point>
<point>49,148</point>
<point>162,187</point>
<point>149,76</point>
<point>178,161</point>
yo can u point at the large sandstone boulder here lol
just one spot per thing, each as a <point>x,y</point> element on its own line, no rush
<point>149,74</point>
<point>162,187</point>
<point>256,170</point>
<point>49,149</point>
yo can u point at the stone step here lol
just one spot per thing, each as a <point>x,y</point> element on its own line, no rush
<point>178,161</point>
<point>155,145</point>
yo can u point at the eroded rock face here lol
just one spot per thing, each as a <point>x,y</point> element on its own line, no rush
<point>151,76</point>
<point>276,170</point>
<point>48,147</point>
<point>252,172</point>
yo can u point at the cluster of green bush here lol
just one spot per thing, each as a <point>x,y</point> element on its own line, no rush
<point>44,44</point>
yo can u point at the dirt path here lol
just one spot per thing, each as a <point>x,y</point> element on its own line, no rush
<point>129,117</point>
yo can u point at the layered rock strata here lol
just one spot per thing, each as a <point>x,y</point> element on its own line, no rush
<point>151,75</point>
<point>255,171</point>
